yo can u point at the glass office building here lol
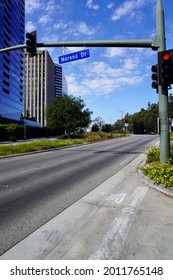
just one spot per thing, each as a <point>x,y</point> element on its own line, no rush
<point>12,32</point>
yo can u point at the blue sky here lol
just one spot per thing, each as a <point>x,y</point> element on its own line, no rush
<point>113,81</point>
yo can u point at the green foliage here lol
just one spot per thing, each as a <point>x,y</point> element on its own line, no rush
<point>144,121</point>
<point>95,128</point>
<point>3,132</point>
<point>107,128</point>
<point>12,138</point>
<point>67,113</point>
<point>96,136</point>
<point>153,155</point>
<point>13,132</point>
<point>159,173</point>
<point>37,146</point>
<point>11,128</point>
<point>118,135</point>
<point>50,144</point>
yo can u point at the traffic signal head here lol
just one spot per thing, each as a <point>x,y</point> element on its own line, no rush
<point>31,43</point>
<point>154,77</point>
<point>165,60</point>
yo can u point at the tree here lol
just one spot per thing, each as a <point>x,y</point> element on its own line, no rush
<point>95,128</point>
<point>144,121</point>
<point>99,122</point>
<point>107,128</point>
<point>67,113</point>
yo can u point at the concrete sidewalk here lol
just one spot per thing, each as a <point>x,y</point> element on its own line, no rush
<point>96,226</point>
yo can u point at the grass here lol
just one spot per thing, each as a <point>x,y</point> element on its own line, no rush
<point>37,146</point>
<point>40,145</point>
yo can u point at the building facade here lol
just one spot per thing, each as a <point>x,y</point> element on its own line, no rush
<point>61,87</point>
<point>12,32</point>
<point>64,85</point>
<point>39,85</point>
<point>58,79</point>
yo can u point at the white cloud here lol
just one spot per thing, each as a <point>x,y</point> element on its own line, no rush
<point>112,52</point>
<point>32,5</point>
<point>30,26</point>
<point>90,5</point>
<point>110,5</point>
<point>51,6</point>
<point>99,78</point>
<point>84,29</point>
<point>74,28</point>
<point>129,8</point>
<point>60,25</point>
<point>122,10</point>
<point>131,63</point>
<point>74,86</point>
<point>45,19</point>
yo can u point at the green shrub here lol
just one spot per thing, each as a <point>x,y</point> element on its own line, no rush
<point>95,136</point>
<point>12,138</point>
<point>160,173</point>
<point>153,154</point>
<point>118,135</point>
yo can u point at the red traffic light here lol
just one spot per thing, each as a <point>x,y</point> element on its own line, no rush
<point>166,56</point>
<point>165,67</point>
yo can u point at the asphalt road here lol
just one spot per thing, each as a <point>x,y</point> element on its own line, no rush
<point>35,188</point>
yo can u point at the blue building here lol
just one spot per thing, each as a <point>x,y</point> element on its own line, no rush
<point>12,32</point>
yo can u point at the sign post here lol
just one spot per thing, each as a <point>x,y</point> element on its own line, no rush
<point>162,90</point>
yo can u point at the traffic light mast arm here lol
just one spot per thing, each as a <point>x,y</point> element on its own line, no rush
<point>98,43</point>
<point>102,43</point>
<point>13,48</point>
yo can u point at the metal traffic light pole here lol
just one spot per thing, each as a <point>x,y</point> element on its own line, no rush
<point>157,43</point>
<point>162,90</point>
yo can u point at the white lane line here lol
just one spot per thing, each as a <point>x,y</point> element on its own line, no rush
<point>126,160</point>
<point>114,239</point>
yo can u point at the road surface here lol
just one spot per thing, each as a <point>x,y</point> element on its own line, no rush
<point>37,187</point>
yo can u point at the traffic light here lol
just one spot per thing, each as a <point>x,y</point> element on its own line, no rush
<point>165,59</point>
<point>31,43</point>
<point>154,77</point>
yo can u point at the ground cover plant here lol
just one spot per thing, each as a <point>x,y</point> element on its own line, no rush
<point>161,173</point>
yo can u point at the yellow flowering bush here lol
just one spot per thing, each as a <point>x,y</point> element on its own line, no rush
<point>159,173</point>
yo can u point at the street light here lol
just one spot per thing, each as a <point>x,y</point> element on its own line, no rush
<point>122,111</point>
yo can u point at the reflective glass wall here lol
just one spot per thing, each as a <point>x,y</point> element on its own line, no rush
<point>12,32</point>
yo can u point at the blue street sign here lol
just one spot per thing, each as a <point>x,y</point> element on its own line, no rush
<point>74,56</point>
